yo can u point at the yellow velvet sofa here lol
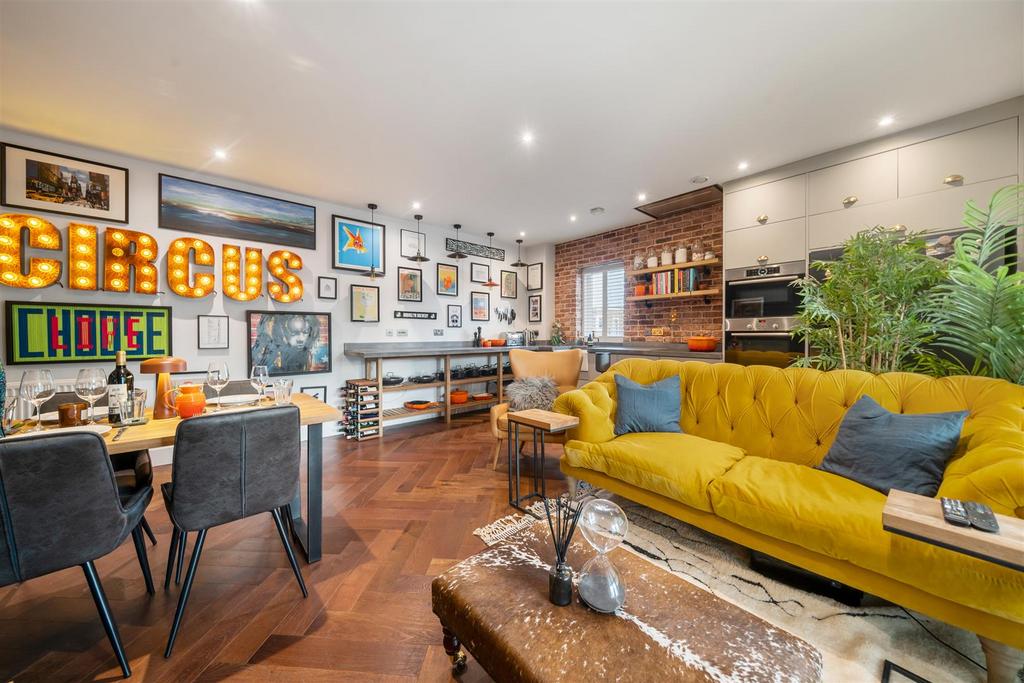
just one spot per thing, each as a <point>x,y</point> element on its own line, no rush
<point>744,469</point>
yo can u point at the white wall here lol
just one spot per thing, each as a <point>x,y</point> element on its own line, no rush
<point>143,212</point>
<point>544,253</point>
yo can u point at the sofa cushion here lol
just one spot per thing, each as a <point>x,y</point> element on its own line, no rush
<point>645,408</point>
<point>678,466</point>
<point>842,519</point>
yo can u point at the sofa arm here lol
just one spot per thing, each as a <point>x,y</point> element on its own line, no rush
<point>991,471</point>
<point>497,412</point>
<point>594,407</point>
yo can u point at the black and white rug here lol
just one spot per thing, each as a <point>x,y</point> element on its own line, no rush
<point>854,641</point>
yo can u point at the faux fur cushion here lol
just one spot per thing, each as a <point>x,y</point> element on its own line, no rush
<point>531,392</point>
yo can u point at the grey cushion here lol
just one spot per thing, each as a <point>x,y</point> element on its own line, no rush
<point>532,392</point>
<point>884,450</point>
<point>647,407</point>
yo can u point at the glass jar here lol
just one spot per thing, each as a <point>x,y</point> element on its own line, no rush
<point>652,258</point>
<point>681,253</point>
<point>666,255</point>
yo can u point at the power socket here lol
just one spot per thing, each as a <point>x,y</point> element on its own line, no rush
<point>403,333</point>
<point>389,332</point>
<point>657,331</point>
<point>438,332</point>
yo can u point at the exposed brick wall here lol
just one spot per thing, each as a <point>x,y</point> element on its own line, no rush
<point>692,315</point>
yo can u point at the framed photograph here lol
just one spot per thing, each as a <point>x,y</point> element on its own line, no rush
<point>534,277</point>
<point>509,284</point>
<point>193,206</point>
<point>410,284</point>
<point>412,243</point>
<point>534,309</point>
<point>365,303</point>
<point>447,280</point>
<point>479,306</point>
<point>479,272</point>
<point>213,331</point>
<point>84,332</point>
<point>40,181</point>
<point>289,343</point>
<point>357,245</point>
<point>319,393</point>
<point>454,315</point>
<point>327,287</point>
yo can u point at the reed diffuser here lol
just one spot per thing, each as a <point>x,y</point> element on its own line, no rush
<point>563,513</point>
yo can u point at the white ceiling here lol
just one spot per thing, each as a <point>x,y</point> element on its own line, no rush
<point>426,101</point>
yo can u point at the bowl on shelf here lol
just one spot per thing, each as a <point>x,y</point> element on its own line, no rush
<point>483,397</point>
<point>392,380</point>
<point>419,405</point>
<point>459,396</point>
<point>701,343</point>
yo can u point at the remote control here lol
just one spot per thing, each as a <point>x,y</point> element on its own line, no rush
<point>981,517</point>
<point>954,512</point>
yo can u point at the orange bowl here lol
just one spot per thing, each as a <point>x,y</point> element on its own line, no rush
<point>486,343</point>
<point>497,342</point>
<point>701,343</point>
<point>459,396</point>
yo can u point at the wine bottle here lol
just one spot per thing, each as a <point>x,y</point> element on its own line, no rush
<point>119,386</point>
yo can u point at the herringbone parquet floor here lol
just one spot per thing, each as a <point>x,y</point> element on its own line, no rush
<point>396,512</point>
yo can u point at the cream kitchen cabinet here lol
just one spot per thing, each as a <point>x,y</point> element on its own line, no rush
<point>965,158</point>
<point>772,202</point>
<point>855,183</point>
<point>778,242</point>
<point>921,213</point>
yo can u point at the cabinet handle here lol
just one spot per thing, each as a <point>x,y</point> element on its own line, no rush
<point>899,226</point>
<point>761,260</point>
<point>762,219</point>
<point>953,179</point>
<point>850,201</point>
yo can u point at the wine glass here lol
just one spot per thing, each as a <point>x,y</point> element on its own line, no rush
<point>90,385</point>
<point>259,378</point>
<point>37,388</point>
<point>10,404</point>
<point>217,377</point>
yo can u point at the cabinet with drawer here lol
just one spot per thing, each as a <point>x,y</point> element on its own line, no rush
<point>853,184</point>
<point>920,213</point>
<point>965,158</point>
<point>779,242</point>
<point>772,202</point>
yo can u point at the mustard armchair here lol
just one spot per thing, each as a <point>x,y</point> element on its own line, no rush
<point>561,366</point>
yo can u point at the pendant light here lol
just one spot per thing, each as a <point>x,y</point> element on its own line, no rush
<point>519,259</point>
<point>490,262</point>
<point>458,253</point>
<point>420,256</point>
<point>373,253</point>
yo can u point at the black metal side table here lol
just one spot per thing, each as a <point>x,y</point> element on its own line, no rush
<point>541,422</point>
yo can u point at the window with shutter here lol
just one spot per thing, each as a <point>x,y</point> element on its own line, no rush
<point>604,301</point>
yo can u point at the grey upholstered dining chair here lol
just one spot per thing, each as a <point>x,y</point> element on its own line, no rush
<point>59,507</point>
<point>133,470</point>
<point>228,466</point>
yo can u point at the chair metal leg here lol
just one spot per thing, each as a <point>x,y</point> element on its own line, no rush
<point>286,512</point>
<point>172,555</point>
<point>288,550</point>
<point>148,529</point>
<point>185,590</point>
<point>106,616</point>
<point>182,543</point>
<point>140,551</point>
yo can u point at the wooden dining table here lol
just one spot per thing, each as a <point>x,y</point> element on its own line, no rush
<point>313,414</point>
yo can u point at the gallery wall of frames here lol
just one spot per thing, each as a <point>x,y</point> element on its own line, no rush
<point>125,253</point>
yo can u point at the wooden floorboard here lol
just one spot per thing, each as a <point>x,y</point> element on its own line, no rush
<point>397,512</point>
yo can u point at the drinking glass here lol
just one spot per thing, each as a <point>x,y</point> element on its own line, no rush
<point>90,385</point>
<point>9,407</point>
<point>259,378</point>
<point>138,406</point>
<point>37,388</point>
<point>282,391</point>
<point>217,377</point>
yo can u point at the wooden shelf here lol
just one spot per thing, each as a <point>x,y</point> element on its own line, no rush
<point>674,266</point>
<point>677,295</point>
<point>455,382</point>
<point>403,412</point>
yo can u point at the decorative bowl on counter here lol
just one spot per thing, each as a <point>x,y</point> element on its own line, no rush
<point>497,342</point>
<point>701,343</point>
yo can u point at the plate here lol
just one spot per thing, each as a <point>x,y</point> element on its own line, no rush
<point>95,429</point>
<point>234,400</point>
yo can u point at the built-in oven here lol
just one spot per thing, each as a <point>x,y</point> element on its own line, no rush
<point>760,311</point>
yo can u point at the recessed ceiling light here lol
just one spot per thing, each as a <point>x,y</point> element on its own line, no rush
<point>743,166</point>
<point>699,179</point>
<point>572,218</point>
<point>642,197</point>
<point>527,137</point>
<point>886,120</point>
<point>416,206</point>
<point>220,154</point>
<point>522,233</point>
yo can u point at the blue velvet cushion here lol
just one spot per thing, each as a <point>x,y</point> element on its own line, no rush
<point>647,407</point>
<point>885,451</point>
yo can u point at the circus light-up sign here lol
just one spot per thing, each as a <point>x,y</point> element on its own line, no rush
<point>129,262</point>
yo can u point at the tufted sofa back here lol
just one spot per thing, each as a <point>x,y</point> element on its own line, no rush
<point>793,414</point>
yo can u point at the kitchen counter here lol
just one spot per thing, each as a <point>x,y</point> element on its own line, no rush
<point>426,349</point>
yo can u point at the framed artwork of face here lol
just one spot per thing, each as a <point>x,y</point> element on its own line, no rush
<point>454,315</point>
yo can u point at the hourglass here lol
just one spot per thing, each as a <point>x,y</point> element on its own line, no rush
<point>604,526</point>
